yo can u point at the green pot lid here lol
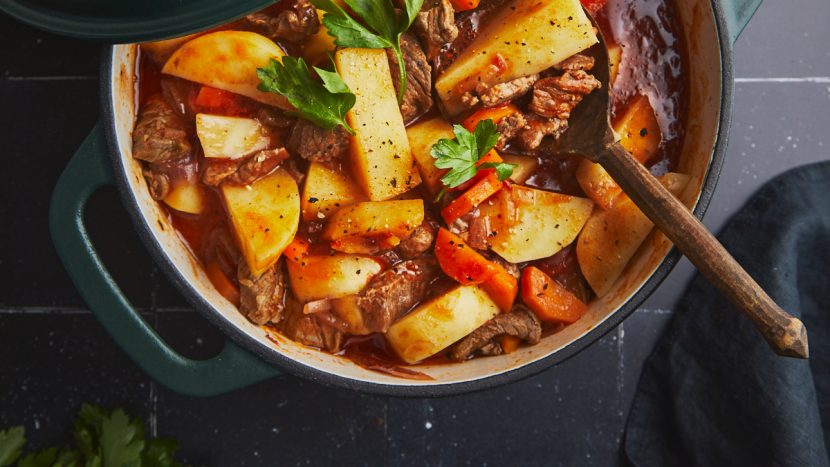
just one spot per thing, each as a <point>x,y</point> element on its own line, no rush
<point>128,21</point>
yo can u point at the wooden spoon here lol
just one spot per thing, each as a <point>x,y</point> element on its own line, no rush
<point>590,135</point>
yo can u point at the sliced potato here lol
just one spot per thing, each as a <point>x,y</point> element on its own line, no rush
<point>160,51</point>
<point>525,166</point>
<point>317,47</point>
<point>422,136</point>
<point>610,238</point>
<point>546,223</point>
<point>397,218</point>
<point>434,326</point>
<point>230,137</point>
<point>186,197</point>
<point>264,216</point>
<point>525,37</point>
<point>381,160</point>
<point>326,191</point>
<point>614,60</point>
<point>639,130</point>
<point>227,60</point>
<point>319,277</point>
<point>597,184</point>
<point>347,309</point>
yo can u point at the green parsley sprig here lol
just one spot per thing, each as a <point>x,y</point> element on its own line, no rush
<point>461,154</point>
<point>383,26</point>
<point>323,103</point>
<point>101,439</point>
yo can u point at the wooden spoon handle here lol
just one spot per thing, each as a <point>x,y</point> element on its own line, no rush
<point>784,333</point>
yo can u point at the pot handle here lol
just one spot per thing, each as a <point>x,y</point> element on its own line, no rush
<point>88,170</point>
<point>737,14</point>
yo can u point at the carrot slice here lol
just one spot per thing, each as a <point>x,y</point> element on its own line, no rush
<point>549,300</point>
<point>496,114</point>
<point>223,285</point>
<point>510,343</point>
<point>502,288</point>
<point>460,261</point>
<point>220,101</point>
<point>483,189</point>
<point>464,5</point>
<point>296,250</point>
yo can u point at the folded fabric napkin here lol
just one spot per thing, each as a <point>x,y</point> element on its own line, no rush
<point>713,392</point>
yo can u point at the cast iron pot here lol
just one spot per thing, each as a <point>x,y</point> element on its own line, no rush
<point>710,28</point>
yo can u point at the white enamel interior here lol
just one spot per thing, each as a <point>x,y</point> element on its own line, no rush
<point>704,100</point>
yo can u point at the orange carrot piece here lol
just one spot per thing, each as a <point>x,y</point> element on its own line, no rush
<point>549,300</point>
<point>460,261</point>
<point>491,156</point>
<point>464,5</point>
<point>223,285</point>
<point>485,188</point>
<point>496,114</point>
<point>510,343</point>
<point>502,288</point>
<point>296,250</point>
<point>218,100</point>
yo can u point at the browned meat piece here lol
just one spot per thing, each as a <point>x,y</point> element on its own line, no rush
<point>436,23</point>
<point>160,135</point>
<point>417,98</point>
<point>479,232</point>
<point>577,62</point>
<point>180,95</point>
<point>274,119</point>
<point>310,329</point>
<point>491,96</point>
<point>261,298</point>
<point>243,171</point>
<point>393,292</point>
<point>293,24</point>
<point>536,128</point>
<point>313,143</point>
<point>158,181</point>
<point>419,242</point>
<point>510,127</point>
<point>520,322</point>
<point>556,97</point>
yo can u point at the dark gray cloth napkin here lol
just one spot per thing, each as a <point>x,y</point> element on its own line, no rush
<point>713,393</point>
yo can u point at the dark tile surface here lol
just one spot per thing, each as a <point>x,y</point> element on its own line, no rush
<point>55,356</point>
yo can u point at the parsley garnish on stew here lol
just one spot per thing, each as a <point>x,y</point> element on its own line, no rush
<point>461,154</point>
<point>324,104</point>
<point>381,26</point>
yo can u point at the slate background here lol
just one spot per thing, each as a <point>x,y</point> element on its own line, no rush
<point>54,356</point>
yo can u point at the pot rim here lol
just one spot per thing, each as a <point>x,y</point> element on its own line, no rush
<point>297,368</point>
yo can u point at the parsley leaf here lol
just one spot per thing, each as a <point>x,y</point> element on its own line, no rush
<point>122,440</point>
<point>461,154</point>
<point>11,445</point>
<point>383,26</point>
<point>324,104</point>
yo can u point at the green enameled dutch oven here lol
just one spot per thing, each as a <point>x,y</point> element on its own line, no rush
<point>710,28</point>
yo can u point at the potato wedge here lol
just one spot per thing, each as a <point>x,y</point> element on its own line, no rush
<point>325,191</point>
<point>610,238</point>
<point>396,218</point>
<point>347,309</point>
<point>639,130</point>
<point>230,137</point>
<point>434,326</point>
<point>597,184</point>
<point>525,37</point>
<point>546,223</point>
<point>186,197</point>
<point>319,277</point>
<point>525,166</point>
<point>227,60</point>
<point>317,47</point>
<point>614,60</point>
<point>160,51</point>
<point>264,216</point>
<point>422,136</point>
<point>382,162</point>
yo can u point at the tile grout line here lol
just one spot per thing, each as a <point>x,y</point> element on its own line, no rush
<point>48,310</point>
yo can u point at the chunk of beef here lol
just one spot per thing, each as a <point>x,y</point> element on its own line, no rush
<point>419,242</point>
<point>243,171</point>
<point>312,329</point>
<point>393,292</point>
<point>180,95</point>
<point>160,135</point>
<point>436,23</point>
<point>576,62</point>
<point>491,96</point>
<point>158,181</point>
<point>479,232</point>
<point>520,322</point>
<point>274,119</point>
<point>314,143</point>
<point>261,298</point>
<point>536,128</point>
<point>292,24</point>
<point>556,97</point>
<point>417,98</point>
<point>509,127</point>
